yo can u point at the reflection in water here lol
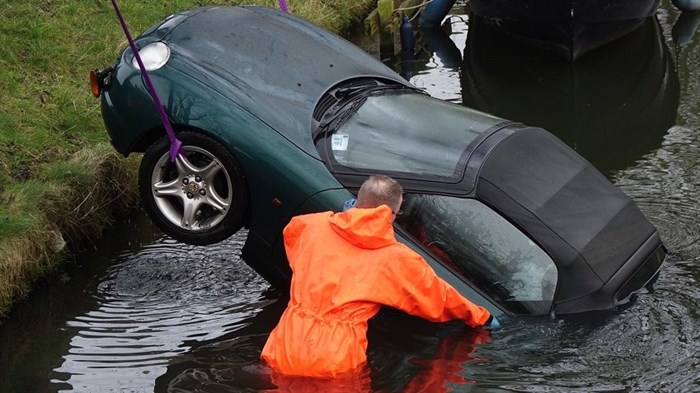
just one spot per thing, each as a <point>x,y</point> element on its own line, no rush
<point>685,28</point>
<point>151,306</point>
<point>406,354</point>
<point>435,65</point>
<point>117,322</point>
<point>613,106</point>
<point>626,109</point>
<point>667,189</point>
<point>569,28</point>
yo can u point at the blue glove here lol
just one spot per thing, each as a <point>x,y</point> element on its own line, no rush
<point>350,203</point>
<point>494,324</point>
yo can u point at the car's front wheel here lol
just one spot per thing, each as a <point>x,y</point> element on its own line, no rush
<point>201,198</point>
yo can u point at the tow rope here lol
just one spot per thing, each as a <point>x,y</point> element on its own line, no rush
<point>175,144</point>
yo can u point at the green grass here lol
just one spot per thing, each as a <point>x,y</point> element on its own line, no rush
<point>60,180</point>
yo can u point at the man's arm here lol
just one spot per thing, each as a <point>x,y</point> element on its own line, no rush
<point>412,286</point>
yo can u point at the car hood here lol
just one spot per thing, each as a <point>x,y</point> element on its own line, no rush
<point>274,65</point>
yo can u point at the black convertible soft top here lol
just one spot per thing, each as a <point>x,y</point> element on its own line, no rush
<point>611,251</point>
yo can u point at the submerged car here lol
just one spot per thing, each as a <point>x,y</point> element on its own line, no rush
<point>279,117</point>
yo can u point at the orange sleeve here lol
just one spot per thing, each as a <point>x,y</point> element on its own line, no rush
<point>410,284</point>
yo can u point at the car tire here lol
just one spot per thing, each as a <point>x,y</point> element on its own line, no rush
<point>201,198</point>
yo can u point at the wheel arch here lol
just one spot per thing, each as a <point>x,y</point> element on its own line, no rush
<point>154,134</point>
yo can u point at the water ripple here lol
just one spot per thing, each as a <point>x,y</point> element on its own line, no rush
<point>667,189</point>
<point>152,305</point>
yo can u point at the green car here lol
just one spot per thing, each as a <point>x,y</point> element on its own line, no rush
<point>279,117</point>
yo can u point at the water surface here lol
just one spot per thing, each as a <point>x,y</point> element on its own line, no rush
<point>143,313</point>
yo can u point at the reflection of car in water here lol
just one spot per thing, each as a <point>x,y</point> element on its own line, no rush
<point>613,106</point>
<point>569,28</point>
<point>271,127</point>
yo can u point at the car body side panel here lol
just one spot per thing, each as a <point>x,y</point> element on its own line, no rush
<point>127,108</point>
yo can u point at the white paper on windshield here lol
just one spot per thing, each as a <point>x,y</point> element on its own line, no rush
<point>340,141</point>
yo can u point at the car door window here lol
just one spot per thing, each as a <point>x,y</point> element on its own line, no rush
<point>484,248</point>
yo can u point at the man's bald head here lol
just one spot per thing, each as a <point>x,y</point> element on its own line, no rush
<point>380,190</point>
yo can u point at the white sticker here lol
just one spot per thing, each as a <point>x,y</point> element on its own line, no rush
<point>340,142</point>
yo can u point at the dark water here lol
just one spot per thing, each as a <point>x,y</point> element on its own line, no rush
<point>142,313</point>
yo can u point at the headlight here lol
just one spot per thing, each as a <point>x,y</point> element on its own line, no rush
<point>153,55</point>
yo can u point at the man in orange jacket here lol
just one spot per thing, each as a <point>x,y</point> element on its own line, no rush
<point>345,267</point>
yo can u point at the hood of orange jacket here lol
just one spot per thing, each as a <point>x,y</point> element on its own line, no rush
<point>365,228</point>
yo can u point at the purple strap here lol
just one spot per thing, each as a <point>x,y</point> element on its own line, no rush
<point>175,144</point>
<point>283,6</point>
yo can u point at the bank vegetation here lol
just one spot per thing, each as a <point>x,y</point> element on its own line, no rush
<point>61,183</point>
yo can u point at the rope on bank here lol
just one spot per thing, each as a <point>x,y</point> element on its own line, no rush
<point>417,13</point>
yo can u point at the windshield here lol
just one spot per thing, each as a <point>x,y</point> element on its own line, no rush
<point>409,133</point>
<point>476,242</point>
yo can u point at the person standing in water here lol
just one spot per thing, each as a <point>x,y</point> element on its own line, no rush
<point>345,266</point>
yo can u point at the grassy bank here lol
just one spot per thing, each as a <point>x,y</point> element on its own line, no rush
<point>60,181</point>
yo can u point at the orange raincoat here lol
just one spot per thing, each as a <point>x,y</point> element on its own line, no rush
<point>345,267</point>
